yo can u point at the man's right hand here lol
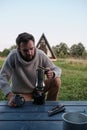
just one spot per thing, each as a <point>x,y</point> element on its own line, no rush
<point>10,98</point>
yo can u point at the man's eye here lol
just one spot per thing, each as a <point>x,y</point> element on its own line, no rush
<point>25,50</point>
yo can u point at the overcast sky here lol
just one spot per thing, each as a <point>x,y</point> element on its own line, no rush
<point>60,21</point>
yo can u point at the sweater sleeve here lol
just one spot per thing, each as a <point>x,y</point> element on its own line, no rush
<point>48,63</point>
<point>5,76</point>
<point>57,70</point>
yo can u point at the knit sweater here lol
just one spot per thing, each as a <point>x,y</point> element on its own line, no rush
<point>19,76</point>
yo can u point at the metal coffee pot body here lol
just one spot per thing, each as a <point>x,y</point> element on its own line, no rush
<point>39,95</point>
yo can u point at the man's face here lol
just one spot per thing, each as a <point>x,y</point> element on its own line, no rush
<point>27,51</point>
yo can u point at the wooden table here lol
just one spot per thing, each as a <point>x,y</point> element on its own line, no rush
<point>35,117</point>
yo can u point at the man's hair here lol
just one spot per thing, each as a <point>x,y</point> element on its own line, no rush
<point>24,38</point>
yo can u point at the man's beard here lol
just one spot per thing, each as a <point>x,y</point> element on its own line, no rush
<point>27,57</point>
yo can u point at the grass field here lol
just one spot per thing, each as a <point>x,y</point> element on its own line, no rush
<point>74,79</point>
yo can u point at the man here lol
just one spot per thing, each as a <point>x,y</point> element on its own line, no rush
<point>18,73</point>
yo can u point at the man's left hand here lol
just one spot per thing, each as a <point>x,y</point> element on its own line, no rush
<point>49,73</point>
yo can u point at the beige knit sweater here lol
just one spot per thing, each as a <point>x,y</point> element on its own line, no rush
<point>19,76</point>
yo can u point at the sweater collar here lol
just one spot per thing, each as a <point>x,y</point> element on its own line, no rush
<point>23,61</point>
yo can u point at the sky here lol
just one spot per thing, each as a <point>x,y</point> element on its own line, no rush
<point>60,21</point>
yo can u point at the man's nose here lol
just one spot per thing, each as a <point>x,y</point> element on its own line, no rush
<point>29,52</point>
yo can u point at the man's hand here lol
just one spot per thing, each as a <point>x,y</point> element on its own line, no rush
<point>10,97</point>
<point>49,73</point>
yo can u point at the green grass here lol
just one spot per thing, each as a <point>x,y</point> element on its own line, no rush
<point>74,79</point>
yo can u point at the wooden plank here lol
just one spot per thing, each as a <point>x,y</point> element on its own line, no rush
<point>29,125</point>
<point>33,116</point>
<point>29,117</point>
<point>38,109</point>
<point>73,103</point>
<point>51,103</point>
<point>25,109</point>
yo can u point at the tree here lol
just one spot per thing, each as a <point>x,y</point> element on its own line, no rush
<point>61,50</point>
<point>12,47</point>
<point>77,50</point>
<point>73,50</point>
<point>5,52</point>
<point>56,50</point>
<point>81,49</point>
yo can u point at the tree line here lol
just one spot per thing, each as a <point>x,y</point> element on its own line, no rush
<point>6,51</point>
<point>61,50</point>
<point>76,50</point>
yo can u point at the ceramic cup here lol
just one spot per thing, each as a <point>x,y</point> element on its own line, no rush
<point>74,121</point>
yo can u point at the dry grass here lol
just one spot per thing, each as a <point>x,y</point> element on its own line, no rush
<point>77,61</point>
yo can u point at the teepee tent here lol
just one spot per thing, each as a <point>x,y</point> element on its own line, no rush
<point>44,45</point>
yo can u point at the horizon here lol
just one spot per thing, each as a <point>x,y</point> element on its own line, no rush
<point>48,42</point>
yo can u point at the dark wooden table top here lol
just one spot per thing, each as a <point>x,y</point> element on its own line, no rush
<point>35,117</point>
